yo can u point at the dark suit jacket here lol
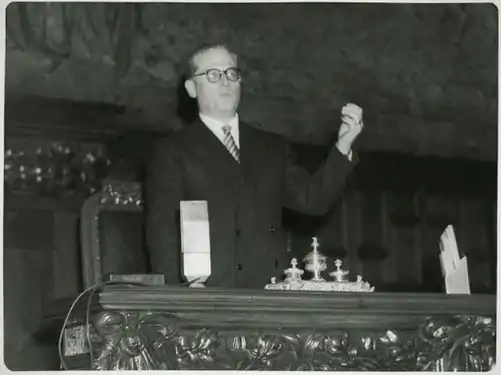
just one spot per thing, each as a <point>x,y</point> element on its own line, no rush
<point>245,201</point>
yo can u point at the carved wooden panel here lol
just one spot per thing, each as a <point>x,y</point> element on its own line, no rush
<point>133,340</point>
<point>158,327</point>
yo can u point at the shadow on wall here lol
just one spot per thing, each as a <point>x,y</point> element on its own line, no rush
<point>187,109</point>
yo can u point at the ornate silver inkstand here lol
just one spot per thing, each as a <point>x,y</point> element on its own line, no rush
<point>316,263</point>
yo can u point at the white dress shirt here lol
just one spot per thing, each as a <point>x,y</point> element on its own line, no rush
<point>216,127</point>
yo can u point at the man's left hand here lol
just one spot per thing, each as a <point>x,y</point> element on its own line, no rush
<point>351,127</point>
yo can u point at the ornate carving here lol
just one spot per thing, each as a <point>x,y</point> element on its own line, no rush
<point>144,341</point>
<point>122,193</point>
<point>459,343</point>
<point>55,167</point>
<point>129,340</point>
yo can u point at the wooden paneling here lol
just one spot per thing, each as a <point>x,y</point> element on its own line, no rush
<point>372,252</point>
<point>40,262</point>
<point>293,309</point>
<point>27,281</point>
<point>29,229</point>
<point>354,222</point>
<point>402,204</point>
<point>66,255</point>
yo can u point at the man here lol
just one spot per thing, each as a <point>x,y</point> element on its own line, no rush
<point>243,173</point>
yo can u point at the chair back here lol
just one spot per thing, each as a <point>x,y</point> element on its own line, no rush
<point>112,233</point>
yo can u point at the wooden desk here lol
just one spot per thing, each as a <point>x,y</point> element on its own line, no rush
<point>180,328</point>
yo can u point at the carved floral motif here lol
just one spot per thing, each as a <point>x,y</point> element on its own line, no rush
<point>130,341</point>
<point>133,340</point>
<point>460,343</point>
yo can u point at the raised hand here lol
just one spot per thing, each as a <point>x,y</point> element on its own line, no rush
<point>351,127</point>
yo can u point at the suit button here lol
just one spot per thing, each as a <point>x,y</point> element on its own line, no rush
<point>272,229</point>
<point>237,232</point>
<point>239,267</point>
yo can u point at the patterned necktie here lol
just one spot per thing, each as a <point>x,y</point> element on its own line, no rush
<point>230,144</point>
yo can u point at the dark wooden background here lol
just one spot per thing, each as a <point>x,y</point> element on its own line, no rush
<point>386,227</point>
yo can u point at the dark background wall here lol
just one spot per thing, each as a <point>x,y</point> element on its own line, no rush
<point>105,77</point>
<point>425,74</point>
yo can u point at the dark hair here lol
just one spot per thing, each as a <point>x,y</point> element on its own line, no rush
<point>191,67</point>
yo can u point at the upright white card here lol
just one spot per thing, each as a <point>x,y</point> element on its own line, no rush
<point>454,269</point>
<point>195,241</point>
<point>458,282</point>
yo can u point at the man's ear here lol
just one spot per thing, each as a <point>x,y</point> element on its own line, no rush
<point>189,85</point>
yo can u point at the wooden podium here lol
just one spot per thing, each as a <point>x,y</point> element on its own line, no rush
<point>161,327</point>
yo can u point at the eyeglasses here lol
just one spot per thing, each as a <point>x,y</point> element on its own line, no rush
<point>214,75</point>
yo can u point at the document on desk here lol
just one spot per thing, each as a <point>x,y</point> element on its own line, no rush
<point>195,241</point>
<point>454,268</point>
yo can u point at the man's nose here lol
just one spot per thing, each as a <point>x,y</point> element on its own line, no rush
<point>225,80</point>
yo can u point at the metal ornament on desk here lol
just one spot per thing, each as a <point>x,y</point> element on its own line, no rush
<point>293,273</point>
<point>339,274</point>
<point>316,263</point>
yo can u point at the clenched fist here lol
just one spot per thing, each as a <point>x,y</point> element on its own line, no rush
<point>351,127</point>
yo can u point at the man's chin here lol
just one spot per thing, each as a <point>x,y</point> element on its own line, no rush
<point>228,105</point>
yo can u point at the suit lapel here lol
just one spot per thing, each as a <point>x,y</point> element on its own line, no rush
<point>208,141</point>
<point>214,157</point>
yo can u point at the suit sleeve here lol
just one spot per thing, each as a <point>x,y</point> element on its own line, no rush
<point>163,193</point>
<point>314,194</point>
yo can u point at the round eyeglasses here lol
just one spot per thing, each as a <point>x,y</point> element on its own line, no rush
<point>214,75</point>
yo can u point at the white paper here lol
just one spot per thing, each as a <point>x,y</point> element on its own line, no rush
<point>197,266</point>
<point>458,282</point>
<point>195,240</point>
<point>450,245</point>
<point>454,269</point>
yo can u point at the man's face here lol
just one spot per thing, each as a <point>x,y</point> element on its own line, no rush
<point>219,98</point>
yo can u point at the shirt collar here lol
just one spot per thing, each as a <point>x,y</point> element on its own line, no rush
<point>211,122</point>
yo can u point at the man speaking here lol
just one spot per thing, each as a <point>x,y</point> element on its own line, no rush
<point>244,174</point>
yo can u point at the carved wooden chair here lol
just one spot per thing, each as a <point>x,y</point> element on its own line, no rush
<point>112,233</point>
